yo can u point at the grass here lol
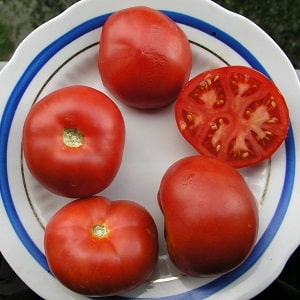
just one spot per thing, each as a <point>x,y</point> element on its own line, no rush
<point>6,42</point>
<point>279,18</point>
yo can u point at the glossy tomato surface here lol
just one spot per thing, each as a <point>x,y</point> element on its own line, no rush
<point>211,217</point>
<point>144,57</point>
<point>73,141</point>
<point>95,246</point>
<point>234,113</point>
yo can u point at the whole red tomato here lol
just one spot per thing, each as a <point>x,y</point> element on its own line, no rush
<point>99,247</point>
<point>211,217</point>
<point>144,57</point>
<point>73,141</point>
<point>234,113</point>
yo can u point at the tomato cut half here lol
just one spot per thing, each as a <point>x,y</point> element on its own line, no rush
<point>235,114</point>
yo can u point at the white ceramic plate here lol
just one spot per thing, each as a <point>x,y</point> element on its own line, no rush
<point>63,52</point>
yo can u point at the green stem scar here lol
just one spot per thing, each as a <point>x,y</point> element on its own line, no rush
<point>99,231</point>
<point>72,137</point>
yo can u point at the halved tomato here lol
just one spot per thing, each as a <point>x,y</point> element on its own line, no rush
<point>235,114</point>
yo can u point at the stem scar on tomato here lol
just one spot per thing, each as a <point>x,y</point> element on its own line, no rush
<point>100,231</point>
<point>72,137</point>
<point>73,141</point>
<point>234,113</point>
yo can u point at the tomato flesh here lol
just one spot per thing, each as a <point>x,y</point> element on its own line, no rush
<point>234,113</point>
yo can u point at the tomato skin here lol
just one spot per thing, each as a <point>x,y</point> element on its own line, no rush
<point>74,171</point>
<point>144,57</point>
<point>233,113</point>
<point>100,266</point>
<point>211,216</point>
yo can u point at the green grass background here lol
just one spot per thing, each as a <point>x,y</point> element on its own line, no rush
<point>279,18</point>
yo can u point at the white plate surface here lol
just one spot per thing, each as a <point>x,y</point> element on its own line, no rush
<point>63,52</point>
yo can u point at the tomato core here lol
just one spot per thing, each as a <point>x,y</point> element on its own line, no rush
<point>100,231</point>
<point>72,137</point>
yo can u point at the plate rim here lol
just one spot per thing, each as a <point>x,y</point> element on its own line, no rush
<point>8,107</point>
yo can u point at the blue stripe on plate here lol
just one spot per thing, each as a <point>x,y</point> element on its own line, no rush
<point>220,35</point>
<point>37,64</point>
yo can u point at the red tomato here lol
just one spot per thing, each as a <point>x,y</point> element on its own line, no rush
<point>211,217</point>
<point>144,57</point>
<point>235,114</point>
<point>99,247</point>
<point>73,141</point>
